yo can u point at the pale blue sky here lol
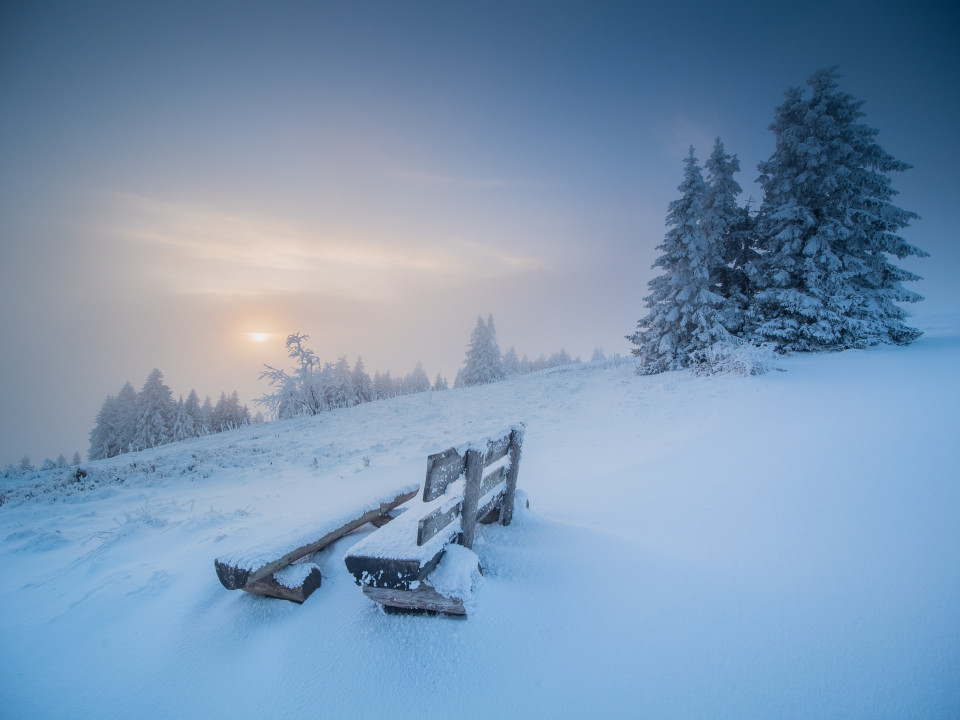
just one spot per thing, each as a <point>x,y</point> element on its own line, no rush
<point>173,175</point>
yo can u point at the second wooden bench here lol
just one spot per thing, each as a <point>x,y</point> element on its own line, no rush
<point>473,483</point>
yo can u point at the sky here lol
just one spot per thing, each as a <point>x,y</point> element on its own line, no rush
<point>176,176</point>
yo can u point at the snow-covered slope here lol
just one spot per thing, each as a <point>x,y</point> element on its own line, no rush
<point>777,546</point>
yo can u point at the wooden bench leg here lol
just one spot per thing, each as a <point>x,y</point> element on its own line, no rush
<point>269,587</point>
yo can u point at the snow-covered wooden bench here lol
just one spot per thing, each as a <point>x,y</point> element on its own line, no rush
<point>472,483</point>
<point>270,569</point>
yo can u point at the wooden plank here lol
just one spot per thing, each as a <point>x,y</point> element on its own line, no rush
<point>269,587</point>
<point>422,599</point>
<point>236,578</point>
<point>442,469</point>
<point>433,523</point>
<point>471,496</point>
<point>436,521</point>
<point>497,449</point>
<point>516,446</point>
<point>491,480</point>
<point>492,505</point>
<point>445,467</point>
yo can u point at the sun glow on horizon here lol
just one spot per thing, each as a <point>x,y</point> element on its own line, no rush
<point>258,336</point>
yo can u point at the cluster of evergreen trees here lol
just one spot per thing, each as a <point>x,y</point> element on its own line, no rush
<point>311,387</point>
<point>484,363</point>
<point>132,420</point>
<point>810,270</point>
<point>25,467</point>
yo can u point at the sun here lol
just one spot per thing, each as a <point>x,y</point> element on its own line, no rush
<point>258,337</point>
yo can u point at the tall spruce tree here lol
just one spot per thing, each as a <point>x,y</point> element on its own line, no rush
<point>685,313</point>
<point>483,363</point>
<point>727,226</point>
<point>362,383</point>
<point>826,229</point>
<point>103,437</point>
<point>155,413</point>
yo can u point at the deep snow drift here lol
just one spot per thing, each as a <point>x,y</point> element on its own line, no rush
<point>777,546</point>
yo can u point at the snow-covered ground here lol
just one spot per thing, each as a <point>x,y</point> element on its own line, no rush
<point>779,546</point>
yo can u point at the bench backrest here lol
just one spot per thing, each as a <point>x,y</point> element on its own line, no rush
<point>445,468</point>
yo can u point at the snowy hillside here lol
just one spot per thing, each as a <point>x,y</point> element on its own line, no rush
<point>778,546</point>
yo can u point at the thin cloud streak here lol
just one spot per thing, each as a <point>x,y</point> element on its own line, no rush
<point>206,251</point>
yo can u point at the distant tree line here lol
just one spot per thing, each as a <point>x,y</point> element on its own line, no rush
<point>131,420</point>
<point>809,271</point>
<point>25,466</point>
<point>484,363</point>
<point>311,387</point>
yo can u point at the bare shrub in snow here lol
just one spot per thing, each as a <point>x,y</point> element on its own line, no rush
<point>733,358</point>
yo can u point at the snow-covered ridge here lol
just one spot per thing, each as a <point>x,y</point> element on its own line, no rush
<point>775,546</point>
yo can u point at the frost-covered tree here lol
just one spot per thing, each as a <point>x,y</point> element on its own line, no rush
<point>25,465</point>
<point>827,228</point>
<point>383,385</point>
<point>440,383</point>
<point>598,355</point>
<point>418,381</point>
<point>727,226</point>
<point>115,425</point>
<point>229,413</point>
<point>338,387</point>
<point>561,357</point>
<point>62,461</point>
<point>103,437</point>
<point>76,459</point>
<point>206,415</point>
<point>511,363</point>
<point>299,392</point>
<point>155,412</point>
<point>483,363</point>
<point>192,408</point>
<point>684,311</point>
<point>182,427</point>
<point>127,413</point>
<point>362,385</point>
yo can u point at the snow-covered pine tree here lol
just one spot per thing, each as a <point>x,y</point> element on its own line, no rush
<point>103,440</point>
<point>383,385</point>
<point>338,388</point>
<point>220,418</point>
<point>362,384</point>
<point>511,363</point>
<point>483,363</point>
<point>127,414</point>
<point>418,381</point>
<point>206,415</point>
<point>440,383</point>
<point>155,412</point>
<point>192,407</point>
<point>183,427</point>
<point>826,227</point>
<point>76,459</point>
<point>684,314</point>
<point>727,227</point>
<point>559,358</point>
